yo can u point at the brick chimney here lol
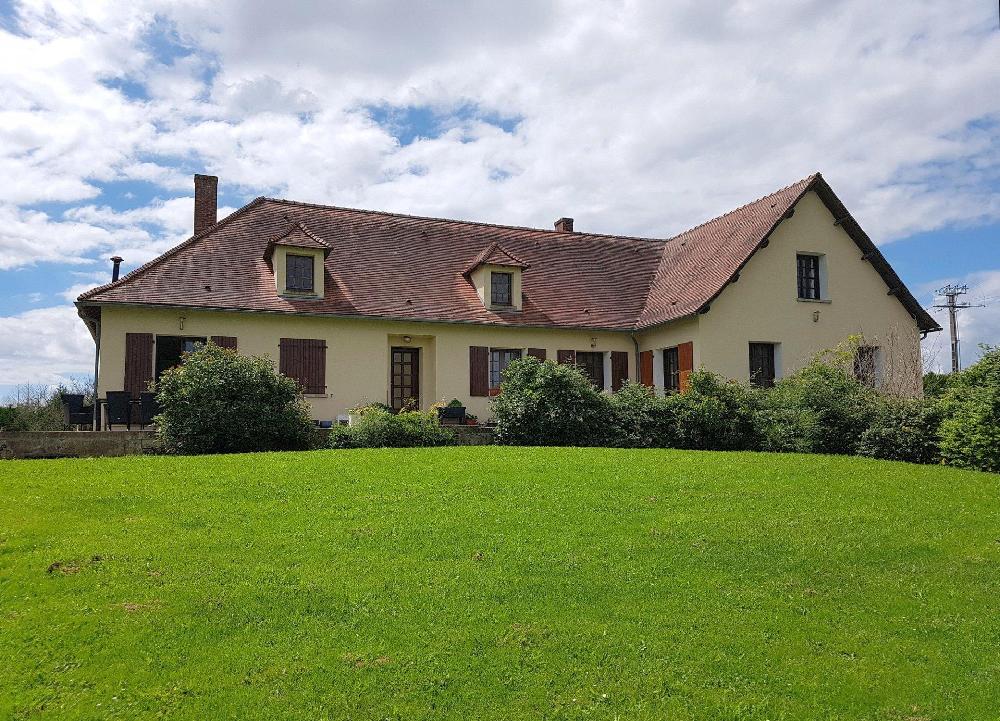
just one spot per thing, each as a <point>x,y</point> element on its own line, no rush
<point>564,225</point>
<point>206,203</point>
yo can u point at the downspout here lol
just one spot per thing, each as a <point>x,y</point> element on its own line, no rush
<point>97,370</point>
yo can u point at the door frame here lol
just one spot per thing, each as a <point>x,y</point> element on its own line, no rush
<point>415,354</point>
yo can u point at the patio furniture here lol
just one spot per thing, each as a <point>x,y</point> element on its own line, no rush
<point>148,407</point>
<point>452,414</point>
<point>74,412</point>
<point>118,409</point>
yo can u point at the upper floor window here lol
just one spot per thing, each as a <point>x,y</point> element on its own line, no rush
<point>299,273</point>
<point>500,288</point>
<point>809,277</point>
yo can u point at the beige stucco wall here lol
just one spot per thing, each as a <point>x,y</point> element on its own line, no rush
<point>357,357</point>
<point>763,306</point>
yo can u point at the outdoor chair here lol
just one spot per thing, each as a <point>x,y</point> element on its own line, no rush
<point>74,412</point>
<point>119,409</point>
<point>148,408</point>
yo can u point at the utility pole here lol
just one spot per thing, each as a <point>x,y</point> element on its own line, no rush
<point>951,293</point>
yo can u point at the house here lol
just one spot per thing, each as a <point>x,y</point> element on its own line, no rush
<point>363,306</point>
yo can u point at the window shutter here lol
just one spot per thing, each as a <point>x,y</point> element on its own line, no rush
<point>479,370</point>
<point>138,362</point>
<point>685,363</point>
<point>619,369</point>
<point>304,360</point>
<point>567,357</point>
<point>225,341</point>
<point>538,353</point>
<point>646,368</point>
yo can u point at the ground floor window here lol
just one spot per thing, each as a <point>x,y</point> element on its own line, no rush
<point>500,358</point>
<point>592,365</point>
<point>170,349</point>
<point>671,370</point>
<point>762,371</point>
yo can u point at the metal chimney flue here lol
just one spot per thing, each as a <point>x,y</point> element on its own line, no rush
<point>116,262</point>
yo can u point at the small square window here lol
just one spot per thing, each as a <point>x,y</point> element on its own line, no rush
<point>299,273</point>
<point>808,277</point>
<point>500,288</point>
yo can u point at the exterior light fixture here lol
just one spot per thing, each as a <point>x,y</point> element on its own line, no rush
<point>181,324</point>
<point>815,316</point>
<point>407,339</point>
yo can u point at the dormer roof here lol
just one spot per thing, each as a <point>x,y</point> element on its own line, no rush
<point>494,254</point>
<point>299,236</point>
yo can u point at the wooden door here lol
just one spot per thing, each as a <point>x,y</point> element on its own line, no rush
<point>404,389</point>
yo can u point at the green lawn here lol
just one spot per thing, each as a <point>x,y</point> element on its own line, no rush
<point>484,583</point>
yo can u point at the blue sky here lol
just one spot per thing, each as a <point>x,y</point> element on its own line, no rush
<point>631,117</point>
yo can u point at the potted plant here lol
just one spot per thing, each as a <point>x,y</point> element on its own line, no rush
<point>471,419</point>
<point>454,411</point>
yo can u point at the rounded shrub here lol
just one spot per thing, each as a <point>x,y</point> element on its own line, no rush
<point>549,404</point>
<point>641,419</point>
<point>217,401</point>
<point>715,414</point>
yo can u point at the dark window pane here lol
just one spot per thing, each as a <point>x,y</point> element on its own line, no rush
<point>299,272</point>
<point>592,365</point>
<point>500,288</point>
<point>762,364</point>
<point>671,370</point>
<point>500,358</point>
<point>808,277</point>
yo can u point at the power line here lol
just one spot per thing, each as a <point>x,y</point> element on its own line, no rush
<point>951,292</point>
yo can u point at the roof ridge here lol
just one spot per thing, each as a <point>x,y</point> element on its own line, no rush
<point>437,219</point>
<point>810,178</point>
<point>169,252</point>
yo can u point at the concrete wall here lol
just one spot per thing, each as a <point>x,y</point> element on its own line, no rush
<point>763,306</point>
<point>73,444</point>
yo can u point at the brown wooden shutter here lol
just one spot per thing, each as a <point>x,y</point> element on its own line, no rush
<point>479,370</point>
<point>538,353</point>
<point>619,369</point>
<point>225,341</point>
<point>138,362</point>
<point>567,357</point>
<point>685,363</point>
<point>646,368</point>
<point>304,359</point>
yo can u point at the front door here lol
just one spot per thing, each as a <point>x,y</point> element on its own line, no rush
<point>405,378</point>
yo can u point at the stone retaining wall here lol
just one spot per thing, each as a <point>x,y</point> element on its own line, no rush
<point>76,444</point>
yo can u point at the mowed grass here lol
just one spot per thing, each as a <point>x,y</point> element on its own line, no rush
<point>484,583</point>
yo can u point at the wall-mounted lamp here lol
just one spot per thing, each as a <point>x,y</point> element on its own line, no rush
<point>815,316</point>
<point>593,342</point>
<point>407,339</point>
<point>181,324</point>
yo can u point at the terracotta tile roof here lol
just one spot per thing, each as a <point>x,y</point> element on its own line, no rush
<point>406,267</point>
<point>299,236</point>
<point>495,254</point>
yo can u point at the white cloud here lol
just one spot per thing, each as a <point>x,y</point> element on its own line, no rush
<point>44,345</point>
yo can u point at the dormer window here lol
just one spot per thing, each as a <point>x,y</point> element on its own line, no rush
<point>496,274</point>
<point>501,285</point>
<point>299,273</point>
<point>297,257</point>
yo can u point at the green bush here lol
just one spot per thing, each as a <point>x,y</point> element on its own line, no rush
<point>715,414</point>
<point>903,429</point>
<point>378,428</point>
<point>828,404</point>
<point>935,384</point>
<point>641,419</point>
<point>970,432</point>
<point>550,404</point>
<point>218,401</point>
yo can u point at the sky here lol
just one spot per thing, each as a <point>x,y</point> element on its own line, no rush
<point>639,118</point>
